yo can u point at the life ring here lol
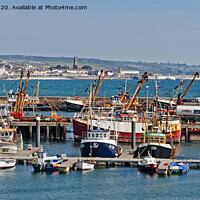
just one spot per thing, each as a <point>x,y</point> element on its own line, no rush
<point>35,160</point>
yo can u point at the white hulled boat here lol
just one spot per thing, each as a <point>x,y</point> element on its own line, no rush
<point>7,163</point>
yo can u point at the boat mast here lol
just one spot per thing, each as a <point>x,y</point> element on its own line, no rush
<point>90,111</point>
<point>125,86</point>
<point>156,93</point>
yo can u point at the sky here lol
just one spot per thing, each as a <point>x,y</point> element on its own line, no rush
<point>126,30</point>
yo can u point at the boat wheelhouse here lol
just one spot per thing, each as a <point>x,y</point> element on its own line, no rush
<point>10,141</point>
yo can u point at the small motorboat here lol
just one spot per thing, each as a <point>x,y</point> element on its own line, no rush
<point>179,168</point>
<point>85,165</point>
<point>148,163</point>
<point>7,163</point>
<point>41,162</point>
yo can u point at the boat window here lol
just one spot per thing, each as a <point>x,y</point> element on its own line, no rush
<point>147,139</point>
<point>97,135</point>
<point>2,133</point>
<point>92,134</point>
<point>152,139</point>
<point>88,134</point>
<point>101,135</point>
<point>55,160</point>
<point>6,133</point>
<point>10,133</point>
<point>40,155</point>
<point>161,139</point>
<point>196,111</point>
<point>104,134</point>
<point>156,139</point>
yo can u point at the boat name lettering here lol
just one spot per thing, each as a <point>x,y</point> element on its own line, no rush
<point>111,146</point>
<point>95,145</point>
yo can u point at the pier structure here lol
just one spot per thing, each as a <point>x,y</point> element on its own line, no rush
<point>191,132</point>
<point>25,157</point>
<point>48,130</point>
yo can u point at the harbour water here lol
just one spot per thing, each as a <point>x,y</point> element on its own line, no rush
<point>22,182</point>
<point>102,183</point>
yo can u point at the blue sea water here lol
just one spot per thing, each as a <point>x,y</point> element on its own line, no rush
<point>103,183</point>
<point>22,182</point>
<point>108,88</point>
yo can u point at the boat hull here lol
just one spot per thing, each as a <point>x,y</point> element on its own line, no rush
<point>149,168</point>
<point>73,107</point>
<point>7,163</point>
<point>8,148</point>
<point>156,150</point>
<point>98,149</point>
<point>37,107</point>
<point>83,165</point>
<point>80,131</point>
<point>176,168</point>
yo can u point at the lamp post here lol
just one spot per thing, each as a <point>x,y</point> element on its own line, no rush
<point>147,99</point>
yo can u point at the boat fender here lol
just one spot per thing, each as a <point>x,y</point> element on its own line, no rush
<point>35,160</point>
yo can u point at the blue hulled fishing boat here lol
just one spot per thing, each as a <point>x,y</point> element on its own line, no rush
<point>99,143</point>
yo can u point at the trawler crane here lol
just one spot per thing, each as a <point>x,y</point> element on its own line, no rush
<point>139,87</point>
<point>181,98</point>
<point>17,114</point>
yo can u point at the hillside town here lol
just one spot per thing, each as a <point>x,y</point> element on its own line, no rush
<point>11,69</point>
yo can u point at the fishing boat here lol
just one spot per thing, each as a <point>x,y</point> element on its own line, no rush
<point>74,105</point>
<point>10,141</point>
<point>123,122</point>
<point>155,143</point>
<point>41,162</point>
<point>148,163</point>
<point>7,163</point>
<point>31,103</point>
<point>99,143</point>
<point>85,165</point>
<point>180,168</point>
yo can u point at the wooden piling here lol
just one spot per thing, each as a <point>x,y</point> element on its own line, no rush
<point>47,133</point>
<point>187,138</point>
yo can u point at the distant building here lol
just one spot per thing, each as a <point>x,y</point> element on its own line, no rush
<point>119,70</point>
<point>93,72</point>
<point>87,67</point>
<point>75,65</point>
<point>130,72</point>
